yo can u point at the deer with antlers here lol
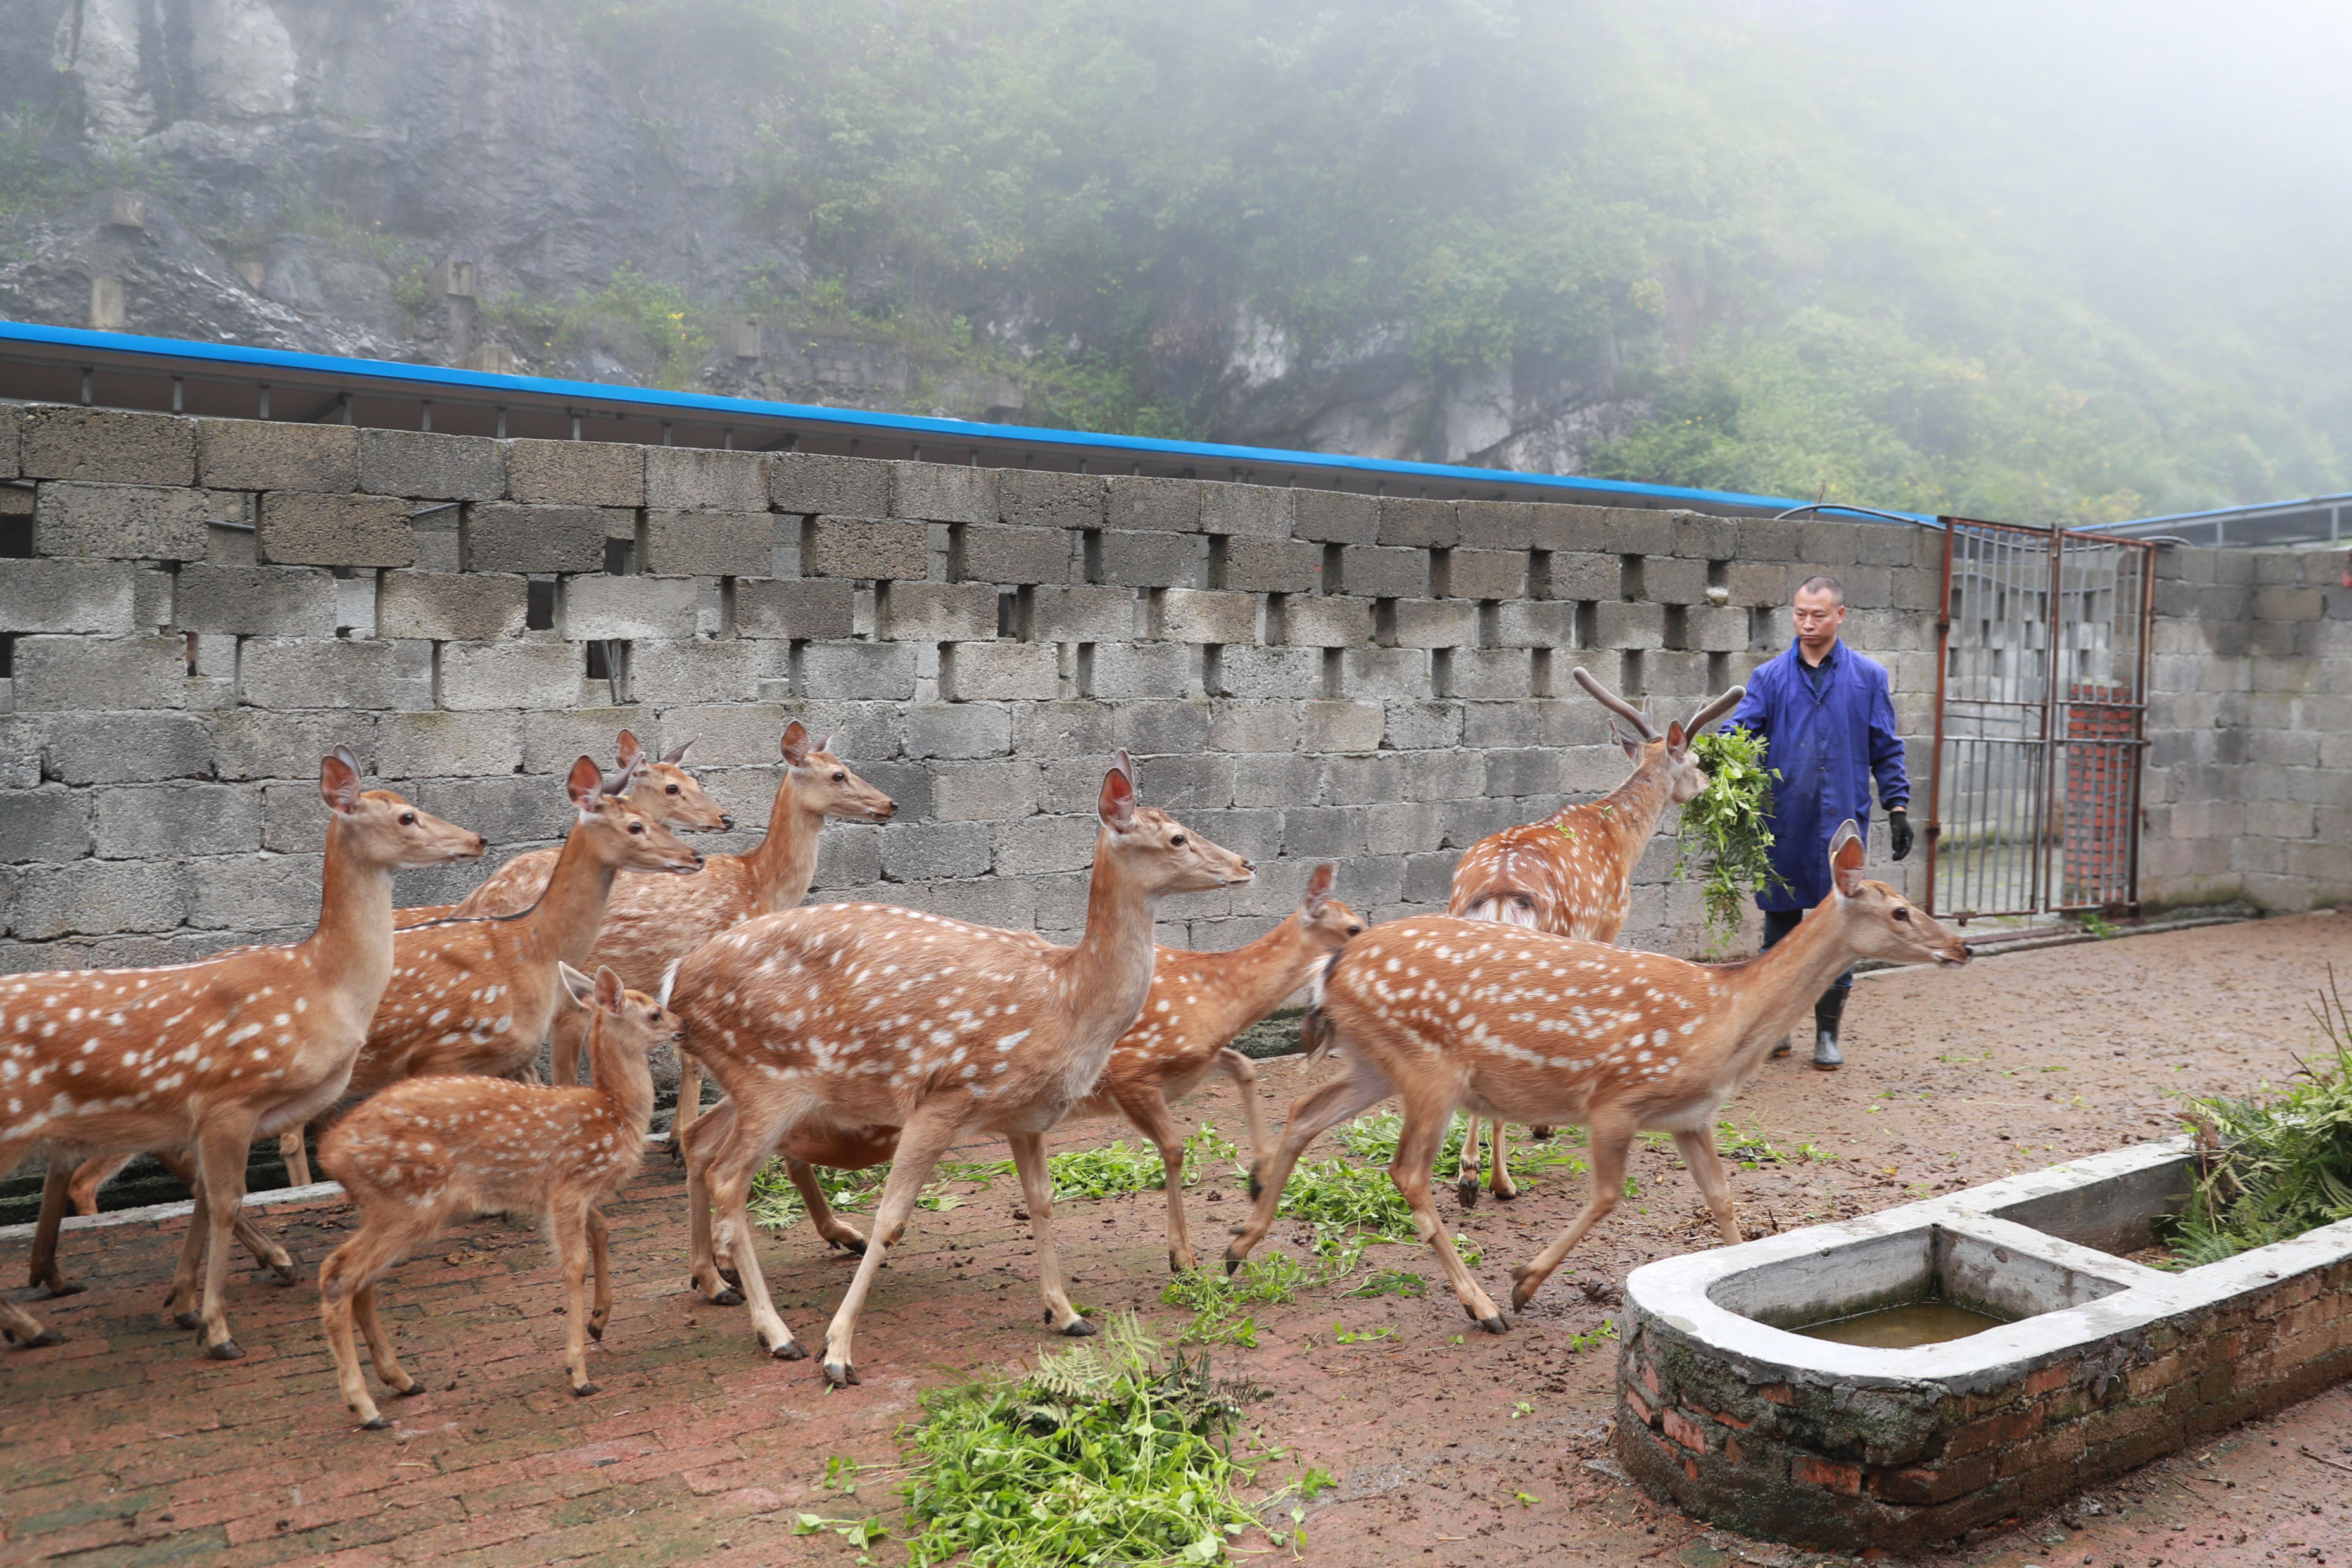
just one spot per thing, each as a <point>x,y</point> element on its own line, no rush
<point>1572,873</point>
<point>862,1015</point>
<point>431,1150</point>
<point>1198,1003</point>
<point>1448,1014</point>
<point>204,1057</point>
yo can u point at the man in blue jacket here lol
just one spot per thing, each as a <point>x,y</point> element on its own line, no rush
<point>1827,720</point>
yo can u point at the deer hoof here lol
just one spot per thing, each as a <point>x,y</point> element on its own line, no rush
<point>412,1390</point>
<point>793,1350</point>
<point>840,1373</point>
<point>583,1390</point>
<point>1505,1195</point>
<point>287,1272</point>
<point>732,1276</point>
<point>227,1349</point>
<point>375,1424</point>
<point>596,1332</point>
<point>1467,1192</point>
<point>46,1337</point>
<point>1232,1265</point>
<point>1080,1328</point>
<point>1525,1283</point>
<point>189,1319</point>
<point>1178,1262</point>
<point>730,1297</point>
<point>1498,1324</point>
<point>53,1288</point>
<point>855,1245</point>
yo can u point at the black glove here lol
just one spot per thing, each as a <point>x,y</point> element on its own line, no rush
<point>1898,828</point>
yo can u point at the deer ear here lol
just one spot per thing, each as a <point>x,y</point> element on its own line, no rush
<point>608,988</point>
<point>1117,806</point>
<point>586,786</point>
<point>1318,891</point>
<point>628,751</point>
<point>339,780</point>
<point>1677,739</point>
<point>1633,743</point>
<point>670,980</point>
<point>1845,859</point>
<point>677,754</point>
<point>796,743</point>
<point>827,745</point>
<point>578,985</point>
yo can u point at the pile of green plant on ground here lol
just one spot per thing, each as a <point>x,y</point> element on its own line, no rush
<point>1373,1140</point>
<point>1106,1173</point>
<point>1724,827</point>
<point>1110,1171</point>
<point>1111,1451</point>
<point>2274,1166</point>
<point>776,1202</point>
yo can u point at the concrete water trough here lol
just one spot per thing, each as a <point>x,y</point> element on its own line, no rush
<point>2085,1364</point>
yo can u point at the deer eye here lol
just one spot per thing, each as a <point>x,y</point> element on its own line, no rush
<point>408,819</point>
<point>840,778</point>
<point>637,827</point>
<point>1177,839</point>
<point>1902,914</point>
<point>1355,930</point>
<point>671,790</point>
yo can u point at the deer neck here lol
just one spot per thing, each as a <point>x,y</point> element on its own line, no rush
<point>621,1073</point>
<point>566,917</point>
<point>1632,810</point>
<point>1240,987</point>
<point>784,863</point>
<point>1108,974</point>
<point>1779,987</point>
<point>352,946</point>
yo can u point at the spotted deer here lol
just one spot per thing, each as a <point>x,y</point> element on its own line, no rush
<point>205,1057</point>
<point>651,922</point>
<point>431,1150</point>
<point>862,1015</point>
<point>1198,1003</point>
<point>1447,1014</point>
<point>1572,873</point>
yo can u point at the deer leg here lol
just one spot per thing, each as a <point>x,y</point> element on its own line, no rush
<point>836,1231</point>
<point>702,1143</point>
<point>220,1164</point>
<point>1417,1146</point>
<point>380,1352</point>
<point>17,1325</point>
<point>1608,1145</point>
<point>1362,1085</point>
<point>297,1156</point>
<point>571,1229</point>
<point>265,1251</point>
<point>926,1137</point>
<point>335,1318</point>
<point>347,1281</point>
<point>689,1096</point>
<point>1707,1172</point>
<point>1037,1193</point>
<point>182,1302</point>
<point>567,1034</point>
<point>1244,1072</point>
<point>92,1174</point>
<point>600,1258</point>
<point>1465,1168</point>
<point>727,1169</point>
<point>1148,1111</point>
<point>1500,1182</point>
<point>55,1190</point>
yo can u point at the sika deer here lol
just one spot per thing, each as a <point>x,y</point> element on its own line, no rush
<point>654,921</point>
<point>1572,873</point>
<point>1198,1004</point>
<point>861,1016</point>
<point>432,1148</point>
<point>204,1057</point>
<point>1450,1015</point>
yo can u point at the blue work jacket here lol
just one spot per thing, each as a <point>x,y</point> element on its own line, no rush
<point>1825,745</point>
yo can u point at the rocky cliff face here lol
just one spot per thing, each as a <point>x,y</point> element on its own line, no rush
<point>299,173</point>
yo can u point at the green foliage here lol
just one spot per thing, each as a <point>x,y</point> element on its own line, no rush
<point>1111,1451</point>
<point>1391,1282</point>
<point>29,176</point>
<point>1726,829</point>
<point>2276,1166</point>
<point>1110,1171</point>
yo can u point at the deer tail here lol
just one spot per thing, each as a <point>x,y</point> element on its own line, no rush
<point>1316,1033</point>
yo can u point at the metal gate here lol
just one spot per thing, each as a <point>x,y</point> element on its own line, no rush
<point>2040,703</point>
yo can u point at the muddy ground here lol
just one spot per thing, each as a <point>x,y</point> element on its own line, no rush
<point>1449,1447</point>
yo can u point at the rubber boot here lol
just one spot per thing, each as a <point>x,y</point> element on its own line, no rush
<point>1826,1014</point>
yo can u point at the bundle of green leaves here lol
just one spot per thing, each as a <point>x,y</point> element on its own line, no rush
<point>1726,828</point>
<point>2274,1166</point>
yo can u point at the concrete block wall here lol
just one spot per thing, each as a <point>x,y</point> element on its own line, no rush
<point>195,609</point>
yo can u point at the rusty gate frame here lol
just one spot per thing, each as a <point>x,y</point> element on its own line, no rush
<point>2119,719</point>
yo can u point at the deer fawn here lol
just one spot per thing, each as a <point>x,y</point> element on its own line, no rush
<point>1198,1002</point>
<point>1448,1013</point>
<point>434,1149</point>
<point>861,1016</point>
<point>1572,873</point>
<point>651,922</point>
<point>203,1057</point>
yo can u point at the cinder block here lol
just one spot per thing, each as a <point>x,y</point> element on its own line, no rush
<point>1360,780</point>
<point>794,608</point>
<point>1159,729</point>
<point>304,672</point>
<point>1323,833</point>
<point>1700,537</point>
<point>129,522</point>
<point>1136,560</point>
<point>1277,779</point>
<point>1045,844</point>
<point>521,809</point>
<point>1825,546</point>
<point>937,612</point>
<point>1128,669</point>
<point>1666,580</point>
<point>599,607</point>
<point>1487,672</point>
<point>1410,726</point>
<point>942,493</point>
<point>1151,505</point>
<point>576,473</point>
<point>456,745</point>
<point>701,669</point>
<point>12,424</point>
<point>923,851</point>
<point>450,606</point>
<point>1772,539</point>
<point>1536,623</point>
<point>1334,517</point>
<point>1385,672</point>
<point>1486,573</point>
<point>552,741</point>
<point>241,892</point>
<point>1269,565</point>
<point>1246,512</point>
<point>1309,621</point>
<point>1713,630</point>
<point>267,601</point>
<point>864,548</point>
<point>250,745</point>
<point>1523,771</point>
<point>97,897</point>
<point>1255,726</point>
<point>1623,625</point>
<point>1081,615</point>
<point>335,531</point>
<point>58,674</point>
<point>1186,782</point>
<point>1269,672</point>
<point>2289,603</point>
<point>39,595</point>
<point>996,672</point>
<point>998,789</point>
<point>1418,522</point>
<point>44,826</point>
<point>481,676</point>
<point>1042,497</point>
<point>864,670</point>
<point>992,553</point>
<point>1334,725</point>
<point>705,479</point>
<point>1436,623</point>
<point>1498,524</point>
<point>159,822</point>
<point>709,543</point>
<point>1443,774</point>
<point>811,484</point>
<point>1577,575</point>
<point>1371,572</point>
<point>257,455</point>
<point>429,467</point>
<point>501,536</point>
<point>1758,583</point>
<point>1204,615</point>
<point>957,730</point>
<point>106,447</point>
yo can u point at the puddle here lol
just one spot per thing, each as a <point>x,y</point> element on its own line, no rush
<point>1902,1326</point>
